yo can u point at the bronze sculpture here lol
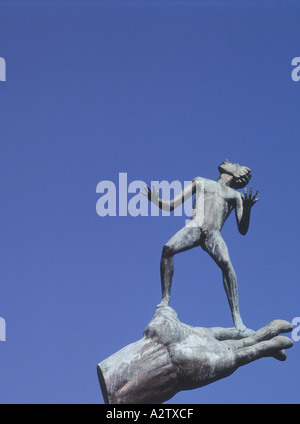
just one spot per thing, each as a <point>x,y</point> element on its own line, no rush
<point>204,228</point>
<point>173,356</point>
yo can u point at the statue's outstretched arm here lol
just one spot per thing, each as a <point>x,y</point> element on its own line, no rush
<point>244,204</point>
<point>170,205</point>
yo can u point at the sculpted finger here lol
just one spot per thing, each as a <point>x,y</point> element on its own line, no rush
<point>255,195</point>
<point>227,334</point>
<point>146,193</point>
<point>263,349</point>
<point>281,355</point>
<point>273,329</point>
<point>250,192</point>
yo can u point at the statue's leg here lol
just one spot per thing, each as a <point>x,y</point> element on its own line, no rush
<point>185,239</point>
<point>216,247</point>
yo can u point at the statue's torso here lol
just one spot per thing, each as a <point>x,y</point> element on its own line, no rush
<point>213,204</point>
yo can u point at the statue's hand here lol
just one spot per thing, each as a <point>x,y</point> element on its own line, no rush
<point>208,355</point>
<point>249,200</point>
<point>173,356</point>
<point>152,196</point>
<point>203,355</point>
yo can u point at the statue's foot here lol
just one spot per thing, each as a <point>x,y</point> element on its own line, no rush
<point>246,333</point>
<point>242,329</point>
<point>163,303</point>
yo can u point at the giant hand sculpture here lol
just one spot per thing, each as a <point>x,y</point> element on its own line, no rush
<point>173,356</point>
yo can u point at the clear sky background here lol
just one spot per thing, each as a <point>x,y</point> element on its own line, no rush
<point>162,90</point>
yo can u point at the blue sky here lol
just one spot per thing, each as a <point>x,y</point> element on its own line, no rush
<point>161,90</point>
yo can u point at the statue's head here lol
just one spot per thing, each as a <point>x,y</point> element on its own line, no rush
<point>241,174</point>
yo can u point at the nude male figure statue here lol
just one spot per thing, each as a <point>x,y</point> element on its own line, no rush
<point>213,203</point>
